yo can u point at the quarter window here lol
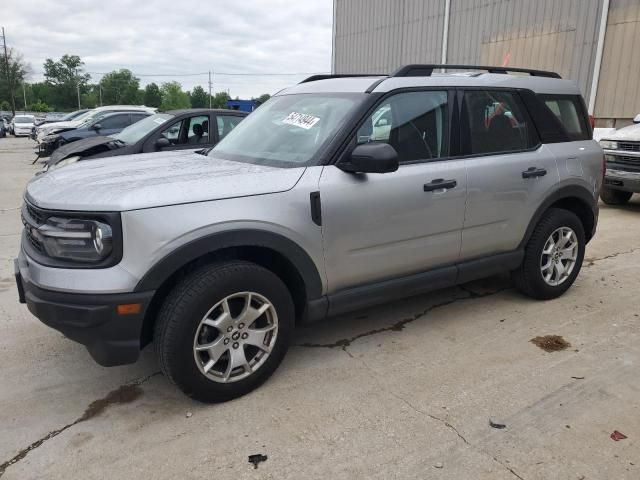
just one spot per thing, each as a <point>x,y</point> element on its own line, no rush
<point>416,124</point>
<point>495,122</point>
<point>226,123</point>
<point>566,109</point>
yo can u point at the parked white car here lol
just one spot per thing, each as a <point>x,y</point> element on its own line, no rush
<point>50,128</point>
<point>622,154</point>
<point>21,125</point>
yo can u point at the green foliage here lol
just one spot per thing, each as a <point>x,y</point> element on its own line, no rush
<point>14,70</point>
<point>263,98</point>
<point>220,100</point>
<point>39,107</point>
<point>65,76</point>
<point>199,98</point>
<point>119,88</point>
<point>173,97</point>
<point>152,96</point>
<point>5,106</point>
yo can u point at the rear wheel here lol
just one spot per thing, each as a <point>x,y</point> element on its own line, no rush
<point>553,256</point>
<point>611,196</point>
<point>224,330</point>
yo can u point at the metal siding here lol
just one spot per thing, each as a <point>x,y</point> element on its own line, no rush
<point>618,92</point>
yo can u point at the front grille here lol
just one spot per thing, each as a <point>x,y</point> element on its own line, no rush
<point>629,146</point>
<point>629,164</point>
<point>32,218</point>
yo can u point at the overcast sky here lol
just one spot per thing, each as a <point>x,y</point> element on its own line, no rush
<point>178,37</point>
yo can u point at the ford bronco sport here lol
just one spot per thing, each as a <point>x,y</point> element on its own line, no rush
<point>336,194</point>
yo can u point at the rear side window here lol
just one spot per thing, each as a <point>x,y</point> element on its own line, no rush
<point>567,109</point>
<point>495,122</point>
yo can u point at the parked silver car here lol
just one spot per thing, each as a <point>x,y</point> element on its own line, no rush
<point>312,207</point>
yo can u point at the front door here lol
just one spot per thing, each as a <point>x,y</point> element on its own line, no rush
<point>382,226</point>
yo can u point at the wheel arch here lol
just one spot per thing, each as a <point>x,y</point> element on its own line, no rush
<point>282,256</point>
<point>573,198</point>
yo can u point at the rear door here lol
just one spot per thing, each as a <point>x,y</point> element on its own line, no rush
<point>509,171</point>
<point>384,226</point>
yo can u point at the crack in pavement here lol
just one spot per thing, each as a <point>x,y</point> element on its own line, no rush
<point>444,422</point>
<point>592,261</point>
<point>126,393</point>
<point>400,324</point>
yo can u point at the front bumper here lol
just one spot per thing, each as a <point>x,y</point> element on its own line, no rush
<point>622,180</point>
<point>90,319</point>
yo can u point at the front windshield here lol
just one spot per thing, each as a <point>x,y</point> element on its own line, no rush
<point>140,129</point>
<point>288,130</point>
<point>23,120</point>
<point>70,116</point>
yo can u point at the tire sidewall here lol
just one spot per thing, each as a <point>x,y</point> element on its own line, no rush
<point>183,368</point>
<point>558,218</point>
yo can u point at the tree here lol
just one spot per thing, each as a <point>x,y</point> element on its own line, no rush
<point>220,100</point>
<point>120,88</point>
<point>5,106</point>
<point>14,71</point>
<point>199,98</point>
<point>152,95</point>
<point>173,97</point>
<point>263,98</point>
<point>67,76</point>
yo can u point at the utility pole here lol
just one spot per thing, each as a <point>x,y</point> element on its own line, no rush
<point>209,88</point>
<point>6,71</point>
<point>24,94</point>
<point>100,87</point>
<point>78,87</point>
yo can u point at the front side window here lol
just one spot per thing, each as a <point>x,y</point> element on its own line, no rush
<point>495,122</point>
<point>288,130</point>
<point>416,124</point>
<point>565,108</point>
<point>114,122</point>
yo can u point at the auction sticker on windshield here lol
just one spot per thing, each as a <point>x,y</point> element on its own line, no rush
<point>301,120</point>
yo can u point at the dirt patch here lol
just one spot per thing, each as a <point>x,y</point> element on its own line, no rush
<point>123,394</point>
<point>551,343</point>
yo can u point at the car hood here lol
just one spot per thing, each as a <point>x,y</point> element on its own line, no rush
<point>631,133</point>
<point>77,148</point>
<point>60,125</point>
<point>131,182</point>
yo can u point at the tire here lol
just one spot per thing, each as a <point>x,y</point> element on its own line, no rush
<point>611,196</point>
<point>223,291</point>
<point>529,277</point>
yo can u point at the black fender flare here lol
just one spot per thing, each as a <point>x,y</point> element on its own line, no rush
<point>207,244</point>
<point>567,192</point>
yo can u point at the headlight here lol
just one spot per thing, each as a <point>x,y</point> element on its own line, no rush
<point>50,138</point>
<point>74,239</point>
<point>66,161</point>
<point>609,144</point>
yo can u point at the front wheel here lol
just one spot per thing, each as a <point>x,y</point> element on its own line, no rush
<point>553,256</point>
<point>223,330</point>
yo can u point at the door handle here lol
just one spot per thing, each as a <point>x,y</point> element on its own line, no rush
<point>533,172</point>
<point>439,184</point>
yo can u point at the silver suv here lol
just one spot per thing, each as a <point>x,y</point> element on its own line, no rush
<point>338,193</point>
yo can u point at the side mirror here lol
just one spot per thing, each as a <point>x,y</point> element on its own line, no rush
<point>162,143</point>
<point>636,119</point>
<point>96,127</point>
<point>371,158</point>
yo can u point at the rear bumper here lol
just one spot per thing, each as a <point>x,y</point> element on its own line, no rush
<point>90,319</point>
